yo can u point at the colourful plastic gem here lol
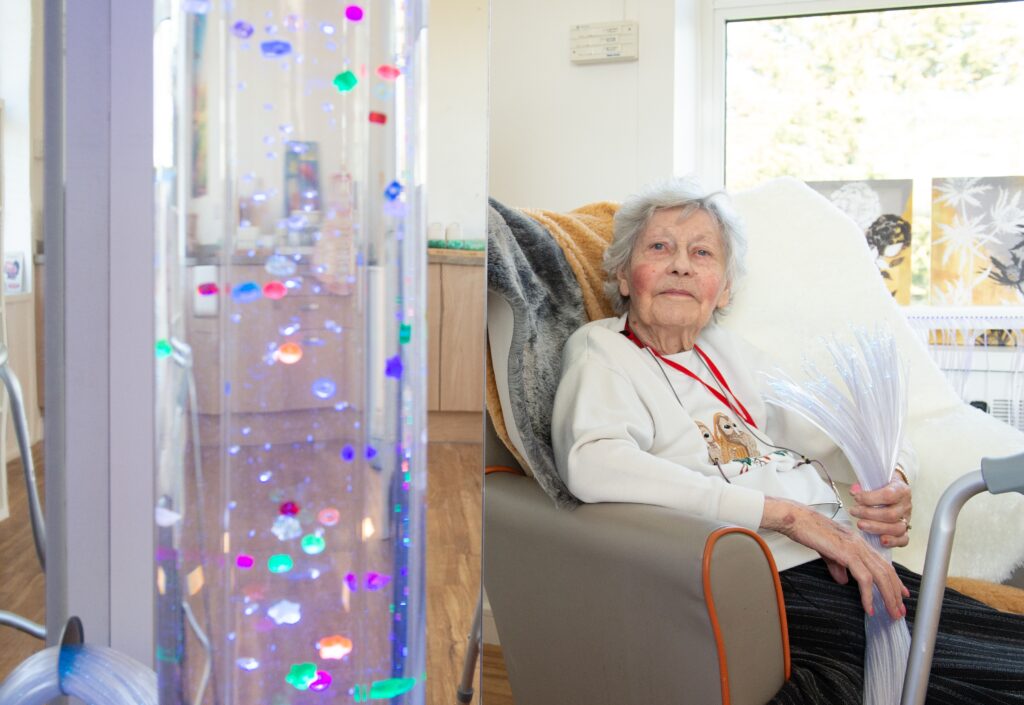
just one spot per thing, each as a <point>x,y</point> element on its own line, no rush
<point>404,333</point>
<point>300,675</point>
<point>275,48</point>
<point>375,581</point>
<point>280,266</point>
<point>313,544</point>
<point>378,118</point>
<point>348,453</point>
<point>247,663</point>
<point>352,581</point>
<point>285,612</point>
<point>289,509</point>
<point>242,29</point>
<point>345,81</point>
<point>393,191</point>
<point>322,682</point>
<point>382,690</point>
<point>334,647</point>
<point>371,452</point>
<point>275,290</point>
<point>327,28</point>
<point>280,563</point>
<point>324,388</point>
<point>245,561</point>
<point>288,353</point>
<point>393,367</point>
<point>246,292</point>
<point>328,516</point>
<point>388,72</point>
<point>163,349</point>
<point>207,289</point>
<point>354,13</point>
<point>286,528</point>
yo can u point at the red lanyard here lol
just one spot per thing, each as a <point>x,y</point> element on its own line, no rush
<point>738,409</point>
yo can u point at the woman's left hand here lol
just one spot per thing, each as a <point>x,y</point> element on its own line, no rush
<point>884,512</point>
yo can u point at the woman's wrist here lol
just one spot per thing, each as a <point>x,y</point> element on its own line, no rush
<point>779,514</point>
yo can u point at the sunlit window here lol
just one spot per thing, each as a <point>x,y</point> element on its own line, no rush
<point>909,120</point>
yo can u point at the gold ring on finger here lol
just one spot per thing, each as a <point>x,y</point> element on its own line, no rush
<point>906,522</point>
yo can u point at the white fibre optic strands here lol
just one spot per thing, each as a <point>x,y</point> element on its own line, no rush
<point>867,423</point>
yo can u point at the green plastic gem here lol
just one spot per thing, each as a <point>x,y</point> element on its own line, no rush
<point>313,544</point>
<point>404,333</point>
<point>382,690</point>
<point>345,81</point>
<point>359,694</point>
<point>280,563</point>
<point>301,675</point>
<point>163,349</point>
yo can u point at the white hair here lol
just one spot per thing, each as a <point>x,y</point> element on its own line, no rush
<point>635,213</point>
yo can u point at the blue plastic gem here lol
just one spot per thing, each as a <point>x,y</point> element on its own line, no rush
<point>246,292</point>
<point>393,367</point>
<point>275,48</point>
<point>393,191</point>
<point>348,454</point>
<point>242,29</point>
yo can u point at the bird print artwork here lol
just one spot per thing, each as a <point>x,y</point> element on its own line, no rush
<point>714,449</point>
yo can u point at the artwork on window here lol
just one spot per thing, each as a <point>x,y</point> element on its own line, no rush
<point>882,209</point>
<point>977,241</point>
<point>302,178</point>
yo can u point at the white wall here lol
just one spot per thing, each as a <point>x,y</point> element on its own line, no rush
<point>562,134</point>
<point>456,115</point>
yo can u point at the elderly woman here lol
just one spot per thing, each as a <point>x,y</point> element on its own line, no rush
<point>661,406</point>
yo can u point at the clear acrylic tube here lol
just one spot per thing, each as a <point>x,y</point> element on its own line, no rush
<point>290,347</point>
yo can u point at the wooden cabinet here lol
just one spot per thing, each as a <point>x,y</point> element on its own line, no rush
<point>457,292</point>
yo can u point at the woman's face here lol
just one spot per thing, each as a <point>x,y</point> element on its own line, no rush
<point>676,275</point>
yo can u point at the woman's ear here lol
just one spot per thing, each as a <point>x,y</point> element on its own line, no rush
<point>724,297</point>
<point>623,284</point>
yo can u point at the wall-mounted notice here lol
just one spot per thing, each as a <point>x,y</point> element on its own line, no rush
<point>604,42</point>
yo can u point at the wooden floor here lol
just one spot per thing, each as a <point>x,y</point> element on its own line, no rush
<point>453,572</point>
<point>22,586</point>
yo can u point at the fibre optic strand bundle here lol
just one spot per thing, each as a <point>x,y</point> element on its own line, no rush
<point>866,420</point>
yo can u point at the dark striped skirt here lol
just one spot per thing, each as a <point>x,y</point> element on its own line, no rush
<point>979,652</point>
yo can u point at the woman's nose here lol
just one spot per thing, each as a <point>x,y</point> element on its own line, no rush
<point>680,263</point>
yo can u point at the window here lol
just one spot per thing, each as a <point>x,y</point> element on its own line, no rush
<point>908,118</point>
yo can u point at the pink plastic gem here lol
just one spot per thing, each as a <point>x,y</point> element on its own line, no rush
<point>274,290</point>
<point>245,561</point>
<point>322,681</point>
<point>289,509</point>
<point>207,289</point>
<point>388,72</point>
<point>354,13</point>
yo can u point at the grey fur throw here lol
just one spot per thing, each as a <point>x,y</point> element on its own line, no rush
<point>527,268</point>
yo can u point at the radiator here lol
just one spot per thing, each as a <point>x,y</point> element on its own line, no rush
<point>962,342</point>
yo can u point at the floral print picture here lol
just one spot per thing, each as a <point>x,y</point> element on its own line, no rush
<point>977,241</point>
<point>882,209</point>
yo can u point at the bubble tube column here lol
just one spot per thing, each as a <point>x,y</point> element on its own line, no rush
<point>291,370</point>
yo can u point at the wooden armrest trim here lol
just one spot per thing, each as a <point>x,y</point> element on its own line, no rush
<point>709,598</point>
<point>503,468</point>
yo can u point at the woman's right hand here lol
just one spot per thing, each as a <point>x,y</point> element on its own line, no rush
<point>845,552</point>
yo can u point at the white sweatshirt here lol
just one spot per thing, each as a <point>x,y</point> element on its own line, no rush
<point>621,435</point>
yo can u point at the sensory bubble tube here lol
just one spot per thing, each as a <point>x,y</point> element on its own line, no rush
<point>290,351</point>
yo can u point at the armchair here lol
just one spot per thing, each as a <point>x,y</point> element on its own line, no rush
<point>615,603</point>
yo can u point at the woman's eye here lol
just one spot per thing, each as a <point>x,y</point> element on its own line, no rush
<point>658,246</point>
<point>704,253</point>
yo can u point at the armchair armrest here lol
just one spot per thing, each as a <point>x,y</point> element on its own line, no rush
<point>623,603</point>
